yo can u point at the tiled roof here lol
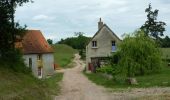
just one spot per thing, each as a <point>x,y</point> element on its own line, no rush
<point>34,42</point>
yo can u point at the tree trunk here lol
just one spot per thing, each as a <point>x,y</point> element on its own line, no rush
<point>13,24</point>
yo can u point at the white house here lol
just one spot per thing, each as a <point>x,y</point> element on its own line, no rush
<point>38,54</point>
<point>101,46</point>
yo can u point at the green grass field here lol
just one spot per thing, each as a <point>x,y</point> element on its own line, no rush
<point>63,54</point>
<point>165,53</point>
<point>19,86</point>
<point>161,79</point>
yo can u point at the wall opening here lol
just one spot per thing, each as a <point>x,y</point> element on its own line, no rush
<point>30,63</point>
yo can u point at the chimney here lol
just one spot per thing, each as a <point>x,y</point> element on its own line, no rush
<point>100,24</point>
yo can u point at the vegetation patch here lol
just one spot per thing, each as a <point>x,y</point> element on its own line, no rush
<point>165,53</point>
<point>154,97</point>
<point>20,86</point>
<point>52,84</point>
<point>160,79</point>
<point>63,55</point>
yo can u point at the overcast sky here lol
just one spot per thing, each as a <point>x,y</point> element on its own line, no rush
<point>61,18</point>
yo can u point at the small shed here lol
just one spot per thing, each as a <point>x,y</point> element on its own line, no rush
<point>38,54</point>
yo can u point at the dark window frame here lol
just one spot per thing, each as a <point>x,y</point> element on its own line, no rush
<point>113,43</point>
<point>94,44</point>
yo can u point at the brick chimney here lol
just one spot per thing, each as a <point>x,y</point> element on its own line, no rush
<point>100,24</point>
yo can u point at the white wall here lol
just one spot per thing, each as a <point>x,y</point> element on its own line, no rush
<point>34,63</point>
<point>48,64</point>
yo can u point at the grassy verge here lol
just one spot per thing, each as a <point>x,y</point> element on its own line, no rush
<point>52,84</point>
<point>154,97</point>
<point>161,79</point>
<point>165,53</point>
<point>63,54</point>
<point>20,86</point>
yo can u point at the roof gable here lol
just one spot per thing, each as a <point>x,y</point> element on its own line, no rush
<point>113,34</point>
<point>34,42</point>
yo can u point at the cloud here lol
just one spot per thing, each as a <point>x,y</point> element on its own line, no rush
<point>40,17</point>
<point>61,18</point>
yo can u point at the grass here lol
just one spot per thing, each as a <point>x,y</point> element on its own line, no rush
<point>164,96</point>
<point>161,79</point>
<point>165,53</point>
<point>52,83</point>
<point>63,54</point>
<point>20,86</point>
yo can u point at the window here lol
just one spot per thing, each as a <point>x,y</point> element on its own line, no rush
<point>39,57</point>
<point>113,46</point>
<point>113,43</point>
<point>94,44</point>
<point>30,63</point>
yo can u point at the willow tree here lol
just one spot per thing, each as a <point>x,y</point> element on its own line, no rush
<point>139,55</point>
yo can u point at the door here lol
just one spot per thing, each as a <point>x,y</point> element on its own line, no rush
<point>95,62</point>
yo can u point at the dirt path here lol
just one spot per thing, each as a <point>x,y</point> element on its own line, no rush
<point>75,86</point>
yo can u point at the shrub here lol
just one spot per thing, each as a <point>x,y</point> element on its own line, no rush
<point>13,60</point>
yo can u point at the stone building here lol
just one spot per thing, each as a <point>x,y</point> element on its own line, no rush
<point>101,46</point>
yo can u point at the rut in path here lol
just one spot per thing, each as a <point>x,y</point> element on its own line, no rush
<point>75,86</point>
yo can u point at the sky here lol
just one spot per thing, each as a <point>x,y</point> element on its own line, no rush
<point>61,18</point>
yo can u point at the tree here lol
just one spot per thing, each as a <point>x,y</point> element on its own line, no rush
<point>139,55</point>
<point>50,41</point>
<point>165,42</point>
<point>10,31</point>
<point>153,27</point>
<point>79,42</point>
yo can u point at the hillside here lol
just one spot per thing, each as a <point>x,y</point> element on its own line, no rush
<point>20,86</point>
<point>63,54</point>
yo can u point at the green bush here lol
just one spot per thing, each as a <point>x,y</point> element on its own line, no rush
<point>110,70</point>
<point>13,59</point>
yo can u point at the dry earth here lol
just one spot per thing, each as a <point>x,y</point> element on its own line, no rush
<point>75,86</point>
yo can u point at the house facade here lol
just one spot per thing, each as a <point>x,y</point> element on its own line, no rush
<point>38,54</point>
<point>101,46</point>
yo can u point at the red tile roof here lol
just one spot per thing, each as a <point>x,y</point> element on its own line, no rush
<point>34,42</point>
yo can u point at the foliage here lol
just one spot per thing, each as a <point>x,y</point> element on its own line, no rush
<point>152,26</point>
<point>50,41</point>
<point>82,53</point>
<point>110,70</point>
<point>14,60</point>
<point>139,55</point>
<point>78,42</point>
<point>165,42</point>
<point>10,31</point>
<point>160,79</point>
